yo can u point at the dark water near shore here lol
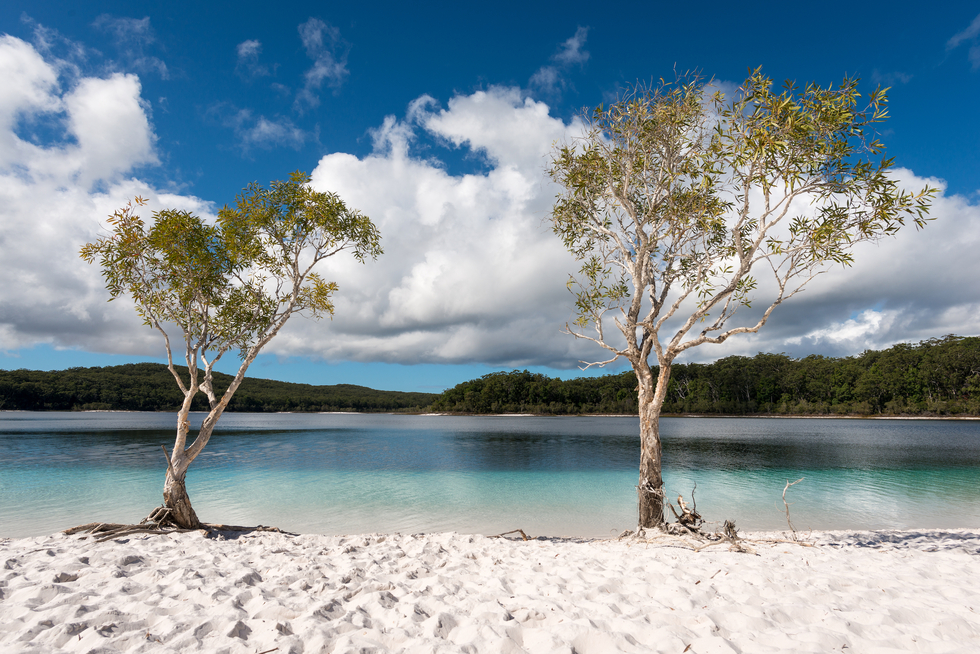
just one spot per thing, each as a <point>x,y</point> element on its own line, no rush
<point>556,476</point>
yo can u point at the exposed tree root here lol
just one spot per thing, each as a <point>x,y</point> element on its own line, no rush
<point>678,534</point>
<point>159,522</point>
<point>687,531</point>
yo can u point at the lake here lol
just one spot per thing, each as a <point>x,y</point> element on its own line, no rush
<point>557,476</point>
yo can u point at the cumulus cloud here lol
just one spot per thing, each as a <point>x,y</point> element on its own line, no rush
<point>53,196</point>
<point>133,37</point>
<point>328,50</point>
<point>110,132</point>
<point>910,287</point>
<point>248,66</point>
<point>471,272</point>
<point>469,262</point>
<point>549,79</point>
<point>30,86</point>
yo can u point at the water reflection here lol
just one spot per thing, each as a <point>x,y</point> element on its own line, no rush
<point>534,451</point>
<point>572,476</point>
<point>558,444</point>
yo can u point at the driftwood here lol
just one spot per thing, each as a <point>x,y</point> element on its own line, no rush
<point>697,541</point>
<point>728,534</point>
<point>786,504</point>
<point>688,520</point>
<point>159,522</point>
<point>513,531</point>
<point>687,530</point>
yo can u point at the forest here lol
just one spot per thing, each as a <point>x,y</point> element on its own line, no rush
<point>937,377</point>
<point>151,387</point>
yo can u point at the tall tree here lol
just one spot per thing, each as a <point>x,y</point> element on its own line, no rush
<point>675,197</point>
<point>227,286</point>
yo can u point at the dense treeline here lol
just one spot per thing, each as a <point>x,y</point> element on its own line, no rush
<point>525,392</point>
<point>151,387</point>
<point>936,377</point>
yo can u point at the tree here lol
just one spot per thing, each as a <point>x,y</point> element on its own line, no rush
<point>674,197</point>
<point>230,285</point>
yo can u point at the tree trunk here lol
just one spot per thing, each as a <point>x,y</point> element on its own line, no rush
<point>176,499</point>
<point>650,489</point>
<point>175,495</point>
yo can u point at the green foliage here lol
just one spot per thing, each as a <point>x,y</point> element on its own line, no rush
<point>674,195</point>
<point>525,392</point>
<point>233,284</point>
<point>938,377</point>
<point>226,286</point>
<point>150,387</point>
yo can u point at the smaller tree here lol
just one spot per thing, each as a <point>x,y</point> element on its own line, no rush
<point>674,199</point>
<point>227,286</point>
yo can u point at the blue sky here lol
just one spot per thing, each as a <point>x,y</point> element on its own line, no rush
<point>436,121</point>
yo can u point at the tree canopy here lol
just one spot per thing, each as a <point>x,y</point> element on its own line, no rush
<point>228,285</point>
<point>678,194</point>
<point>677,198</point>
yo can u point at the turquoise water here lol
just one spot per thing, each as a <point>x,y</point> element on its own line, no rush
<point>331,473</point>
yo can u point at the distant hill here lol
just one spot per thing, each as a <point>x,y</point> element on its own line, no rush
<point>151,387</point>
<point>937,377</point>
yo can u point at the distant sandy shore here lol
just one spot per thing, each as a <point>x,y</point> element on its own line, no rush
<point>703,415</point>
<point>856,592</point>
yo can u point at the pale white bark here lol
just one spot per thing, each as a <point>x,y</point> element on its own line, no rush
<point>683,206</point>
<point>288,289</point>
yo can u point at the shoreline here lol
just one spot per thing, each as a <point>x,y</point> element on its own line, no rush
<point>448,592</point>
<point>807,416</point>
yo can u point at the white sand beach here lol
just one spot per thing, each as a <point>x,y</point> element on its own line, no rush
<point>861,592</point>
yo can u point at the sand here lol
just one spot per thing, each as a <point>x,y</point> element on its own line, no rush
<point>860,592</point>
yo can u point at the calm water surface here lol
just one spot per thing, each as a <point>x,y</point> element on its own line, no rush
<point>334,474</point>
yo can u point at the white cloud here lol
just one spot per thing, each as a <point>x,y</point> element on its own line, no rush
<point>30,85</point>
<point>110,126</point>
<point>281,132</point>
<point>133,36</point>
<point>549,80</point>
<point>970,34</point>
<point>105,118</point>
<point>261,132</point>
<point>248,65</point>
<point>249,49</point>
<point>546,80</point>
<point>472,274</point>
<point>890,79</point>
<point>328,50</point>
<point>861,329</point>
<point>471,271</point>
<point>917,285</point>
<point>510,130</point>
<point>65,55</point>
<point>571,51</point>
<point>48,207</point>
